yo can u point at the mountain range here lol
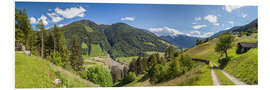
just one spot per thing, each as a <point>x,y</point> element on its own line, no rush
<point>123,40</point>
<point>118,40</point>
<point>184,41</point>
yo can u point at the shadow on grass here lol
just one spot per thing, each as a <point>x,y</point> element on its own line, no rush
<point>223,62</point>
<point>145,77</point>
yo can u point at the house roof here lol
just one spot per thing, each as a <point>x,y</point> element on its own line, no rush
<point>248,45</point>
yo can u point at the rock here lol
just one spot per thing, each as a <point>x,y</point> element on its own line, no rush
<point>57,81</point>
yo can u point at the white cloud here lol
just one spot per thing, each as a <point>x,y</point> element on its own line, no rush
<point>55,17</point>
<point>195,33</point>
<point>199,26</point>
<point>61,25</point>
<point>33,20</point>
<point>71,12</point>
<point>128,18</point>
<point>165,31</point>
<point>231,22</point>
<point>44,19</point>
<point>194,23</point>
<point>211,18</point>
<point>208,34</point>
<point>217,24</point>
<point>244,15</point>
<point>198,34</point>
<point>230,8</point>
<point>197,18</point>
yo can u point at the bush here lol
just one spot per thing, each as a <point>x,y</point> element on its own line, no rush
<point>158,73</point>
<point>83,74</point>
<point>55,58</point>
<point>100,75</point>
<point>186,63</point>
<point>131,76</point>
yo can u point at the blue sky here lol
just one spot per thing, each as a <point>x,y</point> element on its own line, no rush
<point>161,19</point>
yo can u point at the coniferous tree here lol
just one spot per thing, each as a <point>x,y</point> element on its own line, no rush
<point>23,28</point>
<point>60,44</point>
<point>41,28</point>
<point>169,53</point>
<point>76,57</point>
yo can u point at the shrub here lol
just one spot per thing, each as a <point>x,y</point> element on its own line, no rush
<point>83,74</point>
<point>100,75</point>
<point>131,76</point>
<point>158,73</point>
<point>55,58</point>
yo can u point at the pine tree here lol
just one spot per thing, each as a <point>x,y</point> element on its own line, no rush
<point>60,43</point>
<point>76,57</point>
<point>22,28</point>
<point>169,53</point>
<point>41,28</point>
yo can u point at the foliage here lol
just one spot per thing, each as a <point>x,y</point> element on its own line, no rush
<point>100,75</point>
<point>169,53</point>
<point>23,28</point>
<point>224,43</point>
<point>131,76</point>
<point>55,58</point>
<point>76,57</point>
<point>161,68</point>
<point>83,74</point>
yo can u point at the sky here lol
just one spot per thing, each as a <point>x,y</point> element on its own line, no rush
<point>161,19</point>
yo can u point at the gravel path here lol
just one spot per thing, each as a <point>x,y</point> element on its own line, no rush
<point>214,76</point>
<point>232,78</point>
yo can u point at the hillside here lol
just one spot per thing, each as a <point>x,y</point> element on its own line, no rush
<point>245,28</point>
<point>34,72</point>
<point>118,40</point>
<point>243,66</point>
<point>127,41</point>
<point>88,32</point>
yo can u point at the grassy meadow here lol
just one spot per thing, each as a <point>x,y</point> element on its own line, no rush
<point>34,72</point>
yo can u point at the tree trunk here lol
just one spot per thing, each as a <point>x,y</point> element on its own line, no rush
<point>226,53</point>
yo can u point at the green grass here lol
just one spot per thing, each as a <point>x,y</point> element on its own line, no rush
<point>34,72</point>
<point>222,78</point>
<point>138,82</point>
<point>153,52</point>
<point>203,77</point>
<point>96,50</point>
<point>149,43</point>
<point>126,59</point>
<point>88,29</point>
<point>245,67</point>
